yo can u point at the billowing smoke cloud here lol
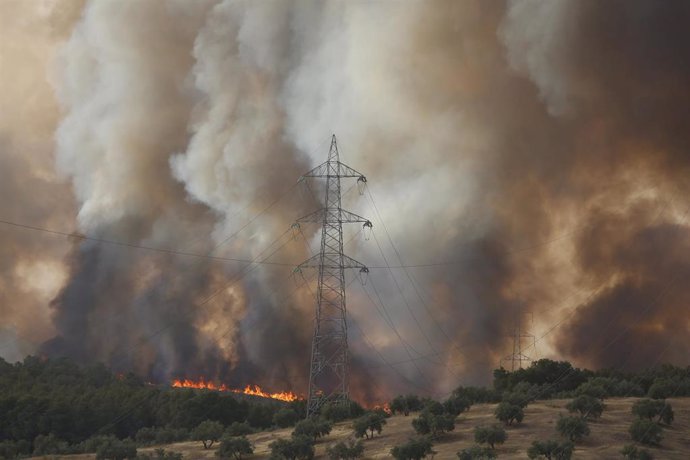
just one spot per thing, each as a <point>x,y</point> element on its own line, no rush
<point>31,269</point>
<point>535,151</point>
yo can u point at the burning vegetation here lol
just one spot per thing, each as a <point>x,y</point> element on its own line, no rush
<point>251,390</point>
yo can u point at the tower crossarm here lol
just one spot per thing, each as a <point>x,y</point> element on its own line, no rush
<point>330,215</point>
<point>332,262</point>
<point>332,168</point>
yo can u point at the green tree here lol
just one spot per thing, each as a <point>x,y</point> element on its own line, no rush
<point>456,405</point>
<point>551,450</point>
<point>114,449</point>
<point>49,445</point>
<point>516,398</point>
<point>593,389</point>
<point>646,432</point>
<point>285,418</point>
<point>369,422</point>
<point>509,413</point>
<point>414,449</point>
<point>398,405</point>
<point>632,452</point>
<point>491,435</point>
<point>587,406</point>
<point>208,432</point>
<point>313,427</point>
<point>337,412</point>
<point>477,453</point>
<point>260,415</point>
<point>433,424</point>
<point>650,408</point>
<point>146,436</point>
<point>234,447</point>
<point>298,447</point>
<point>572,428</point>
<point>346,450</point>
<point>239,429</point>
<point>662,388</point>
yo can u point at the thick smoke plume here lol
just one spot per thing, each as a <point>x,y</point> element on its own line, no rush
<point>529,160</point>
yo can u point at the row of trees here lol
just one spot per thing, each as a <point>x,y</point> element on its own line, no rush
<point>71,409</point>
<point>547,379</point>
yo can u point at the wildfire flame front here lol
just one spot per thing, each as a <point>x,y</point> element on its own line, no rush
<point>253,390</point>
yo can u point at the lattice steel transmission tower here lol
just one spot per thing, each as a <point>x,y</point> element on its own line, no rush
<point>518,356</point>
<point>328,372</point>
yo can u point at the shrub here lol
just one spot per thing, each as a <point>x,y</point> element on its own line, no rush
<point>260,415</point>
<point>509,413</point>
<point>296,448</point>
<point>587,406</point>
<point>628,388</point>
<point>339,411</point>
<point>49,445</point>
<point>239,429</point>
<point>662,388</point>
<point>285,418</point>
<point>433,407</point>
<point>405,404</point>
<point>313,427</point>
<point>573,428</point>
<point>631,452</point>
<point>491,435</point>
<point>234,447</point>
<point>455,405</point>
<point>650,408</point>
<point>478,395</point>
<point>398,405</point>
<point>370,422</point>
<point>433,424</point>
<point>477,453</point>
<point>161,454</point>
<point>516,399</point>
<point>93,443</point>
<point>168,435</point>
<point>12,449</point>
<point>593,389</point>
<point>551,449</point>
<point>346,450</point>
<point>208,432</point>
<point>414,449</point>
<point>114,449</point>
<point>146,436</point>
<point>646,432</point>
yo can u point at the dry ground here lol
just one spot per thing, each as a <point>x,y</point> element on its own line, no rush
<point>608,434</point>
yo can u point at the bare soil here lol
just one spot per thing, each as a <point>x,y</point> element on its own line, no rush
<point>608,434</point>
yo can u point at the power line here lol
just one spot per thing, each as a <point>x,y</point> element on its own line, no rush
<point>140,246</point>
<point>411,278</point>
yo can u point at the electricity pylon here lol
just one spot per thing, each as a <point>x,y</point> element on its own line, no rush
<point>518,356</point>
<point>328,372</point>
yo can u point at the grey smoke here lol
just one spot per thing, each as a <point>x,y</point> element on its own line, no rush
<point>541,146</point>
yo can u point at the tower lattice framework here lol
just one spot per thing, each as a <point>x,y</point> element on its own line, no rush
<point>328,371</point>
<point>518,356</point>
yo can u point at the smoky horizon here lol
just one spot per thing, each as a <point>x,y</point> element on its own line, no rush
<point>527,173</point>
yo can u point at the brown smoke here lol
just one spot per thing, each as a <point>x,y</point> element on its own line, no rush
<point>541,147</point>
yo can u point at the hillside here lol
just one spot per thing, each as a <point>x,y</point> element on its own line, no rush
<point>608,436</point>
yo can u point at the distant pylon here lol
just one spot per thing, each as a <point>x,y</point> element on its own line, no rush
<point>328,372</point>
<point>518,356</point>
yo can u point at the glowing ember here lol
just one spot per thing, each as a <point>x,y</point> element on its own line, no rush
<point>254,390</point>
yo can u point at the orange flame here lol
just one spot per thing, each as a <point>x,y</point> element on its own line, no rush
<point>384,407</point>
<point>254,390</point>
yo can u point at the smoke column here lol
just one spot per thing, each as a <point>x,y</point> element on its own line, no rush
<point>533,156</point>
